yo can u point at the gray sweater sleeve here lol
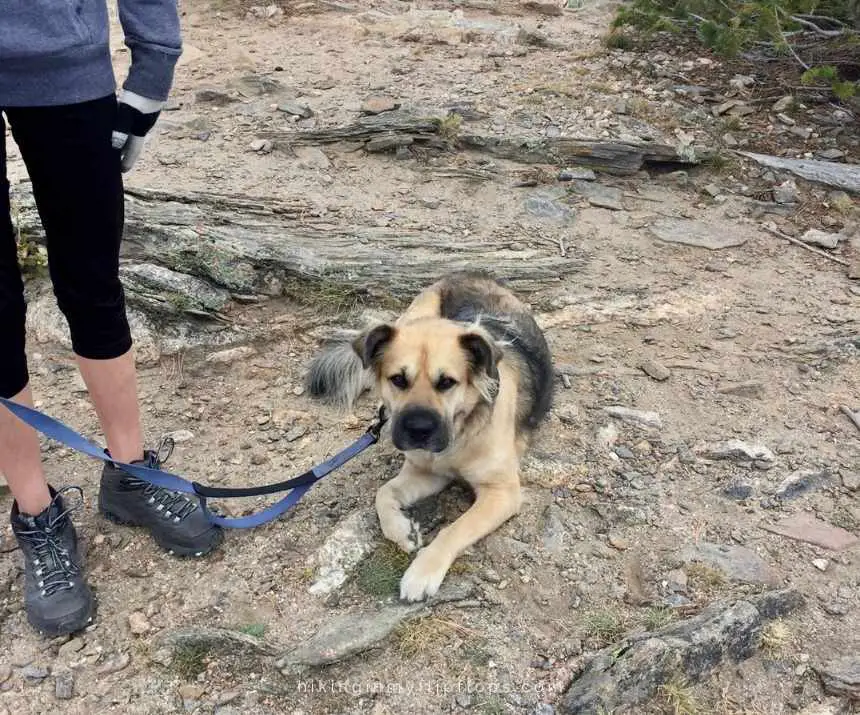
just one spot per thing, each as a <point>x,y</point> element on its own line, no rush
<point>154,38</point>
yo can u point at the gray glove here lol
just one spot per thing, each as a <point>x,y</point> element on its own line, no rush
<point>135,117</point>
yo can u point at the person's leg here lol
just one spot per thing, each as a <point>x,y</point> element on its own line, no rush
<point>78,188</point>
<point>77,184</point>
<point>20,459</point>
<point>57,598</point>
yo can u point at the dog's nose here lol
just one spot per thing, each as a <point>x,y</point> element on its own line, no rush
<point>420,424</point>
<point>420,428</point>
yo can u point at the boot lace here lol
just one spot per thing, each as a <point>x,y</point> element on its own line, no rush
<point>53,565</point>
<point>174,506</point>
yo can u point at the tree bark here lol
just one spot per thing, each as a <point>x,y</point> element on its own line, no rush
<point>391,130</point>
<point>215,245</point>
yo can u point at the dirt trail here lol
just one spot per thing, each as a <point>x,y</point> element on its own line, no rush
<point>756,342</point>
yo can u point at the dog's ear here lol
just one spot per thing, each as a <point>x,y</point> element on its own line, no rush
<point>372,344</point>
<point>483,354</point>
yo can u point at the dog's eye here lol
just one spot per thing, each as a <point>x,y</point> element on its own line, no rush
<point>445,383</point>
<point>399,381</point>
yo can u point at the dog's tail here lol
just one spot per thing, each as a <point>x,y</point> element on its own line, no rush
<point>336,375</point>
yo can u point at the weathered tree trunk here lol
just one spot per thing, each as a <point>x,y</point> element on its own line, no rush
<point>829,173</point>
<point>395,129</point>
<point>189,253</point>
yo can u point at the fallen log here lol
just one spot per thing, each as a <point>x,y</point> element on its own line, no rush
<point>245,246</point>
<point>829,173</point>
<point>391,130</point>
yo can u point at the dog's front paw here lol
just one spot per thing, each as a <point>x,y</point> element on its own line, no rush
<point>424,576</point>
<point>404,532</point>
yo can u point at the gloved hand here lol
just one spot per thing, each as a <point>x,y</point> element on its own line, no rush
<point>136,115</point>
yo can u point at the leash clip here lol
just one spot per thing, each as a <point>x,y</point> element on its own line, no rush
<point>375,429</point>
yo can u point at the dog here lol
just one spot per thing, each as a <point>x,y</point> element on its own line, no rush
<point>466,377</point>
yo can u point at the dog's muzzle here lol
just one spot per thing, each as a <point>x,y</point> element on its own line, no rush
<point>419,428</point>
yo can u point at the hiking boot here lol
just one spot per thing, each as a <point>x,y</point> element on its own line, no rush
<point>175,520</point>
<point>57,598</point>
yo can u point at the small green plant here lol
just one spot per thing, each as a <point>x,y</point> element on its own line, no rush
<point>604,626</point>
<point>820,36</point>
<point>189,661</point>
<point>679,697</point>
<point>449,127</point>
<point>704,576</point>
<point>775,638</point>
<point>379,574</point>
<point>257,630</point>
<point>657,617</point>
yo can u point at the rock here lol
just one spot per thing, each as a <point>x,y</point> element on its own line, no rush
<point>191,691</point>
<point>851,480</point>
<point>379,103</point>
<point>729,140</point>
<point>227,697</point>
<point>5,672</point>
<point>783,104</point>
<point>543,709</point>
<point>114,665</point>
<point>807,528</point>
<point>343,550</point>
<point>311,157</point>
<point>700,234</point>
<point>138,624</point>
<point>213,96</point>
<point>296,109</point>
<point>551,9</point>
<point>605,197</point>
<point>739,491</point>
<point>577,174</point>
<point>736,450</point>
<point>692,648</point>
<point>637,417</point>
<point>296,433</point>
<point>64,685</point>
<point>655,370</point>
<point>347,635</point>
<point>163,291</point>
<point>217,640</point>
<point>786,192</point>
<point>751,389</point>
<point>554,532</point>
<point>34,673</point>
<point>821,564</point>
<point>830,154</point>
<point>785,119</point>
<point>618,542</point>
<point>676,581</point>
<point>736,562</point>
<point>607,435</point>
<point>800,482</point>
<point>623,452</point>
<point>181,435</point>
<point>226,357</point>
<point>546,205</point>
<point>821,238</point>
<point>70,648</point>
<point>841,677</point>
<point>263,146</point>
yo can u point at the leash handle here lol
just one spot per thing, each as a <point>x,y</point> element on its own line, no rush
<point>56,430</point>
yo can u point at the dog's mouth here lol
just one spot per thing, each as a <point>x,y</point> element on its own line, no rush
<point>420,429</point>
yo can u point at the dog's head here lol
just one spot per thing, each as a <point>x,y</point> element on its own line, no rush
<point>432,375</point>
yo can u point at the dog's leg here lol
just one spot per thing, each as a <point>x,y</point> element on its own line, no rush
<point>494,505</point>
<point>410,486</point>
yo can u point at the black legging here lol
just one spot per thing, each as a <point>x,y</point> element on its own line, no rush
<point>78,189</point>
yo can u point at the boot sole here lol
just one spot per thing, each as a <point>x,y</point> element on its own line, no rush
<point>172,549</point>
<point>67,627</point>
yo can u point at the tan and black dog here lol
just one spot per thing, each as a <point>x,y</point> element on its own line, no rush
<point>466,377</point>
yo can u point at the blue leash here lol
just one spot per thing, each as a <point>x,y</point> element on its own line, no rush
<point>298,486</point>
